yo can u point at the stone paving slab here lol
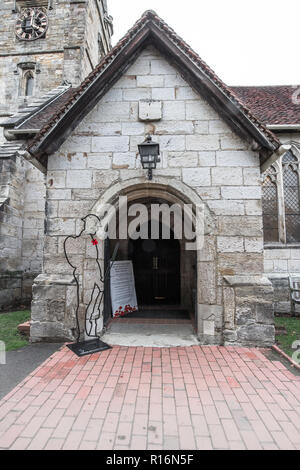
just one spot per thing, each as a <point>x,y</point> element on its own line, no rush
<point>155,398</point>
<point>150,335</point>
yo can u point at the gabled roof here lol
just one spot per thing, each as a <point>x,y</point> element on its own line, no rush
<point>273,105</point>
<point>151,29</point>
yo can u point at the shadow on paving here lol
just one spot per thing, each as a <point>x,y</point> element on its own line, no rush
<point>22,362</point>
<point>274,356</point>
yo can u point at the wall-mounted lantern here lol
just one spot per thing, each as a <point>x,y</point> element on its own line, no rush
<point>149,152</point>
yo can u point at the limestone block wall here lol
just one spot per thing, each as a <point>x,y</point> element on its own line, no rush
<point>11,210</point>
<point>33,228</point>
<point>55,300</point>
<point>199,155</point>
<point>280,263</point>
<point>22,214</point>
<point>50,75</point>
<point>12,179</point>
<point>97,34</point>
<point>248,310</point>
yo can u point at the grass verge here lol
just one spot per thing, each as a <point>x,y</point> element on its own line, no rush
<point>8,329</point>
<point>292,326</point>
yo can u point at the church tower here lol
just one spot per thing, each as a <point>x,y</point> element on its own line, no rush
<point>47,47</point>
<point>44,43</point>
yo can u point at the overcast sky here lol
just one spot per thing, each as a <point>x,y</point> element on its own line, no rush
<point>246,42</point>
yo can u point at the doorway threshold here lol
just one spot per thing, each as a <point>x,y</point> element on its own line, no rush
<point>154,335</point>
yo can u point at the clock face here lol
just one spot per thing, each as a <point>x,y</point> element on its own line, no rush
<point>32,24</point>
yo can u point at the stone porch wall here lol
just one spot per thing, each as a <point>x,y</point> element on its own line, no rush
<point>198,151</point>
<point>248,310</point>
<point>55,308</point>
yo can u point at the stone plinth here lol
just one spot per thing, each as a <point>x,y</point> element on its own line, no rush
<point>248,311</point>
<point>53,308</point>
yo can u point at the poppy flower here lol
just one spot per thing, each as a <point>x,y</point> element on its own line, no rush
<point>94,242</point>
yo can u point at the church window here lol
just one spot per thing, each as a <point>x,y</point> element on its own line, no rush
<point>290,168</point>
<point>270,206</point>
<point>281,200</point>
<point>29,84</point>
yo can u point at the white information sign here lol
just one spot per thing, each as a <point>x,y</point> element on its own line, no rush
<point>122,287</point>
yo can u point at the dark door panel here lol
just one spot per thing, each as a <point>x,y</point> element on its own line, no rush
<point>156,265</point>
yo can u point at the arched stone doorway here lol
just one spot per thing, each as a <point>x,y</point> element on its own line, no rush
<point>165,273</point>
<point>198,289</point>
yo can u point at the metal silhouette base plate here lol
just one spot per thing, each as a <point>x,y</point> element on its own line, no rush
<point>91,346</point>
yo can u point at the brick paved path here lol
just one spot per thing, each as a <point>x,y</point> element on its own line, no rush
<point>149,398</point>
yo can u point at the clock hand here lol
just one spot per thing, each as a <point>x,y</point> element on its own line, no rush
<point>35,26</point>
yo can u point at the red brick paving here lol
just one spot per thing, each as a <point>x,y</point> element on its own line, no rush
<point>149,398</point>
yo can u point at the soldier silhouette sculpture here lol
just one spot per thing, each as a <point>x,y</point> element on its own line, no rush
<point>93,310</point>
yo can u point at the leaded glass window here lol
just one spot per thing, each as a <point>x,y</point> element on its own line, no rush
<point>290,169</point>
<point>270,207</point>
<point>281,200</point>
